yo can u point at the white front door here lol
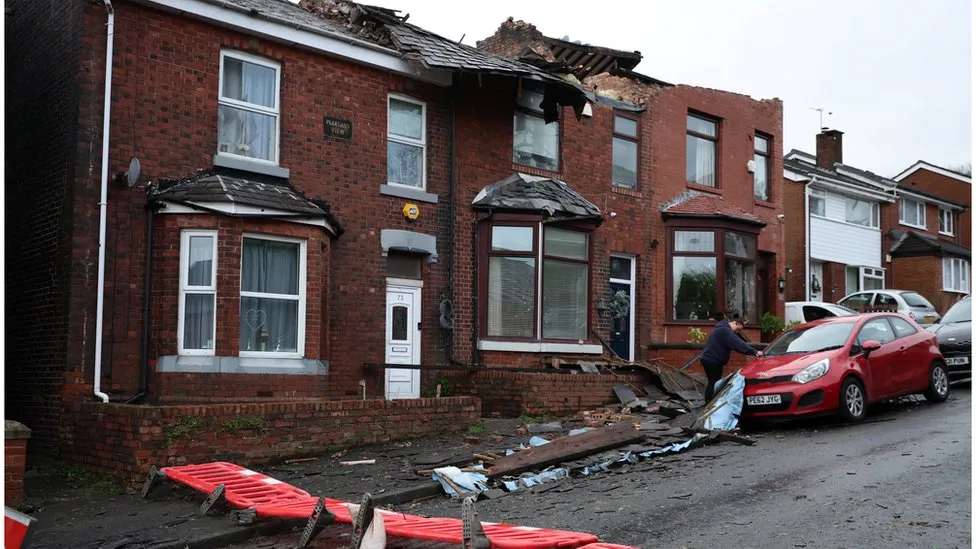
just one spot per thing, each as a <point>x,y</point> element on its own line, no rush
<point>402,341</point>
<point>816,281</point>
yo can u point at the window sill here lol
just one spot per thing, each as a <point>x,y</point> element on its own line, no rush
<point>248,166</point>
<point>410,193</point>
<point>539,347</point>
<point>626,191</point>
<point>705,189</point>
<point>530,170</point>
<point>240,365</point>
<point>951,235</point>
<point>919,227</point>
<point>764,204</point>
<point>951,291</point>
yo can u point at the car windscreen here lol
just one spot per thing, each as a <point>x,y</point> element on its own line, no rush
<point>817,338</point>
<point>960,312</point>
<point>915,300</point>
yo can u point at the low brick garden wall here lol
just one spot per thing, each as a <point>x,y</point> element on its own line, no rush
<point>512,394</point>
<point>125,440</point>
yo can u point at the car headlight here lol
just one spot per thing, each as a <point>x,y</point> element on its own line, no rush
<point>812,372</point>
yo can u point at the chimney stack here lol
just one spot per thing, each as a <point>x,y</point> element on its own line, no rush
<point>830,148</point>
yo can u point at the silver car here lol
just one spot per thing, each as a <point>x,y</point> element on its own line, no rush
<point>905,302</point>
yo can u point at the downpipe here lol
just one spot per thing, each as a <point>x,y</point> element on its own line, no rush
<point>152,206</point>
<point>806,255</point>
<point>103,203</point>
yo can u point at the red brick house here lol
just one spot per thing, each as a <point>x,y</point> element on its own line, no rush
<point>929,234</point>
<point>859,231</point>
<point>324,190</point>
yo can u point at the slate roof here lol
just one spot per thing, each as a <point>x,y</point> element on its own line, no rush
<point>915,243</point>
<point>810,169</point>
<point>208,187</point>
<point>698,204</point>
<point>281,11</point>
<point>529,192</point>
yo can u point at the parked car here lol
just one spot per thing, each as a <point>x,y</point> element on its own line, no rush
<point>904,302</point>
<point>842,364</point>
<point>954,334</point>
<point>808,311</point>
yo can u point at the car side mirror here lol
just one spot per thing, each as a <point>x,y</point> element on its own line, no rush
<point>870,346</point>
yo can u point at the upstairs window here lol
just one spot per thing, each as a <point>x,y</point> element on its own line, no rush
<point>701,145</point>
<point>911,213</point>
<point>406,142</point>
<point>626,140</point>
<point>818,203</point>
<point>945,221</point>
<point>760,177</point>
<point>862,212</point>
<point>248,107</point>
<point>535,143</point>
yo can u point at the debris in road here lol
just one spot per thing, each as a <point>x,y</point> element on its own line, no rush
<point>881,506</point>
<point>494,493</point>
<point>359,462</point>
<point>919,523</point>
<point>300,460</point>
<point>681,496</point>
<point>799,497</point>
<point>460,483</point>
<point>552,427</point>
<point>726,436</point>
<point>566,449</point>
<point>852,472</point>
<point>930,465</point>
<point>471,439</point>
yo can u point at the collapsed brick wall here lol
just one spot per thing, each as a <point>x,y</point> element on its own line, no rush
<point>43,46</point>
<point>124,441</point>
<point>512,394</point>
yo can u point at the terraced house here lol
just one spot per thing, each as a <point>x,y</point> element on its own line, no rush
<point>320,204</point>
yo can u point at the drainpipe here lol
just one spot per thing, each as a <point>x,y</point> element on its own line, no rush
<point>103,202</point>
<point>152,206</point>
<point>453,217</point>
<point>806,255</point>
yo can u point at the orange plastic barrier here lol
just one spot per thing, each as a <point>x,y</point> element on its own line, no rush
<point>601,545</point>
<point>270,497</point>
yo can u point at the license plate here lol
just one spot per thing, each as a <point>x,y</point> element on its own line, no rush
<point>957,360</point>
<point>763,400</point>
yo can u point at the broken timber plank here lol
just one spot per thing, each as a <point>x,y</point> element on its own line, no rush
<point>406,495</point>
<point>726,436</point>
<point>565,449</point>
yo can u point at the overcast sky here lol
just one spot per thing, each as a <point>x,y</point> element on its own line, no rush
<point>895,73</point>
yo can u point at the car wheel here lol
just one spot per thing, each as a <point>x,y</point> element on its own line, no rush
<point>938,390</point>
<point>853,401</point>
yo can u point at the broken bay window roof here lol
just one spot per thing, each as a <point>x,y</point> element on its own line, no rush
<point>694,204</point>
<point>522,192</point>
<point>209,191</point>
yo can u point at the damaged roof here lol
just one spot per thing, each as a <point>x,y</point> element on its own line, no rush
<point>529,192</point>
<point>702,205</point>
<point>913,243</point>
<point>214,188</point>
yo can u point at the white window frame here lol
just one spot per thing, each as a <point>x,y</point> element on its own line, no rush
<point>874,274</point>
<point>875,220</point>
<point>422,142</point>
<point>537,112</point>
<point>301,297</point>
<point>919,210</point>
<point>185,290</point>
<point>948,266</point>
<point>945,222</point>
<point>818,194</point>
<point>276,111</point>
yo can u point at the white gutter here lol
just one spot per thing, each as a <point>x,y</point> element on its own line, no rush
<point>103,202</point>
<point>847,190</point>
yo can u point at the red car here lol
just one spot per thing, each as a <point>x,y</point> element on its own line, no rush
<point>842,364</point>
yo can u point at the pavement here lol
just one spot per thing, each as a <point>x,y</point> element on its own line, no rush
<point>902,478</point>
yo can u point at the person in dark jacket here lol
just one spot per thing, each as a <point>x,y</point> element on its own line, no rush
<point>718,349</point>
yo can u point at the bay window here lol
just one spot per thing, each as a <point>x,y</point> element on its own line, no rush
<point>535,288</point>
<point>712,271</point>
<point>911,213</point>
<point>272,297</point>
<point>198,292</point>
<point>248,107</point>
<point>955,275</point>
<point>535,143</point>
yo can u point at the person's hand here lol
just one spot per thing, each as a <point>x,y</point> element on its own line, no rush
<point>759,354</point>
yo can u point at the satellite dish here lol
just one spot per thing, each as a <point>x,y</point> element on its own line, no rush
<point>135,170</point>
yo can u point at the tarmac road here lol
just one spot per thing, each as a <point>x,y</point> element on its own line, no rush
<point>900,479</point>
